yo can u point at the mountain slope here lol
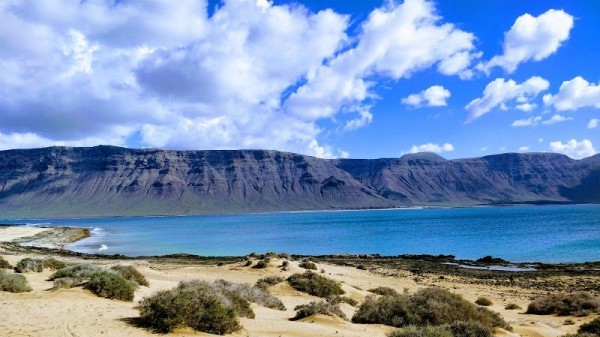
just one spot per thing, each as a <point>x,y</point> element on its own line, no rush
<point>106,180</point>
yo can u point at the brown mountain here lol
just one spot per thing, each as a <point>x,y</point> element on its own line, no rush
<point>107,181</point>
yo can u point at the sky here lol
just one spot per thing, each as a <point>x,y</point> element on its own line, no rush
<point>327,78</point>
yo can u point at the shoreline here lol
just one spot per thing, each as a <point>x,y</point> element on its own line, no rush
<point>77,312</point>
<point>52,239</point>
<point>415,207</point>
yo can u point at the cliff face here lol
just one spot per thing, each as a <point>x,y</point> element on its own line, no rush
<point>104,180</point>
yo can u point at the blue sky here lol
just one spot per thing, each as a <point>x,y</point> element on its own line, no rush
<point>360,79</point>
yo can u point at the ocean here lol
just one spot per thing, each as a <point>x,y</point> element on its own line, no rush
<point>555,233</point>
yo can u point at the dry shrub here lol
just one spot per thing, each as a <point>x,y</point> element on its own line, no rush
<point>323,307</point>
<point>38,265</point>
<point>202,306</point>
<point>315,284</point>
<point>13,283</point>
<point>428,306</point>
<point>577,304</point>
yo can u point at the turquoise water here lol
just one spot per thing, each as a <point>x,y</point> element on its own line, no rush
<point>518,233</point>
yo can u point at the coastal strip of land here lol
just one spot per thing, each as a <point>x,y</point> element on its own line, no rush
<point>77,312</point>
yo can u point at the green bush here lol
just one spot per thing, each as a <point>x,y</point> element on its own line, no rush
<point>578,304</point>
<point>268,281</point>
<point>248,293</point>
<point>592,327</point>
<point>307,265</point>
<point>131,274</point>
<point>261,264</point>
<point>470,329</point>
<point>384,291</point>
<point>4,264</point>
<point>483,301</point>
<point>13,283</point>
<point>322,307</point>
<point>192,304</point>
<point>428,306</point>
<point>342,299</point>
<point>111,285</point>
<point>512,306</point>
<point>422,331</point>
<point>73,276</point>
<point>315,284</point>
<point>456,329</point>
<point>38,265</point>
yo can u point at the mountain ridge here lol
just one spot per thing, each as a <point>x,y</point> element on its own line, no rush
<point>116,181</point>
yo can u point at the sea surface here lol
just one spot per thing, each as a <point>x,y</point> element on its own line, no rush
<point>566,233</point>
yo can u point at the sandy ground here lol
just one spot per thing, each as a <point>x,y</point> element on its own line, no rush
<point>77,312</point>
<point>11,233</point>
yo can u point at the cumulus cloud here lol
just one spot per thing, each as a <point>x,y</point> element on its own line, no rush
<point>593,123</point>
<point>526,107</point>
<point>574,149</point>
<point>433,96</point>
<point>575,94</point>
<point>431,147</point>
<point>531,38</point>
<point>523,148</point>
<point>531,121</point>
<point>167,74</point>
<point>499,92</point>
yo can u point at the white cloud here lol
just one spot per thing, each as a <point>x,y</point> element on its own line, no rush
<point>498,92</point>
<point>575,94</point>
<point>166,74</point>
<point>526,107</point>
<point>557,119</point>
<point>431,147</point>
<point>574,148</point>
<point>593,123</point>
<point>396,41</point>
<point>540,140</point>
<point>523,148</point>
<point>532,38</point>
<point>531,121</point>
<point>534,121</point>
<point>433,96</point>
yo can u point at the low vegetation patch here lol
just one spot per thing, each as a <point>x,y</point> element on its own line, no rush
<point>118,282</point>
<point>456,329</point>
<point>131,274</point>
<point>262,264</point>
<point>4,264</point>
<point>111,285</point>
<point>38,265</point>
<point>428,306</point>
<point>192,304</point>
<point>342,299</point>
<point>483,301</point>
<point>512,306</point>
<point>315,284</point>
<point>592,327</point>
<point>268,281</point>
<point>307,265</point>
<point>577,304</point>
<point>202,306</point>
<point>13,283</point>
<point>422,331</point>
<point>322,307</point>
<point>384,291</point>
